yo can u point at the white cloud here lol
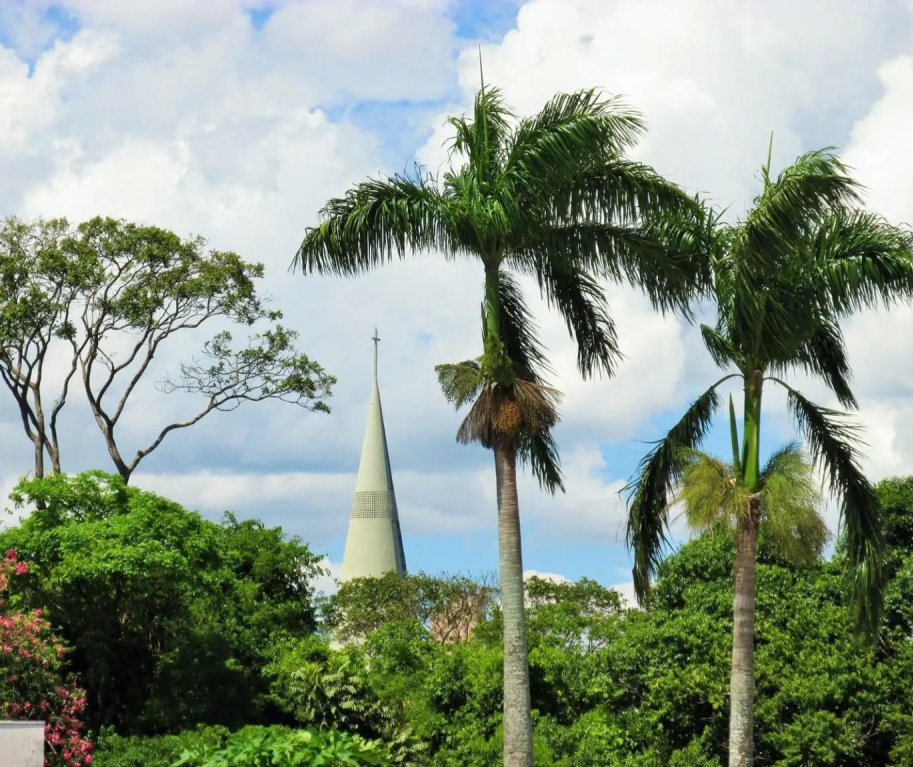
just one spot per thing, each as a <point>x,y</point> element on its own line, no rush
<point>177,113</point>
<point>713,78</point>
<point>327,584</point>
<point>430,503</point>
<point>626,592</point>
<point>877,149</point>
<point>553,577</point>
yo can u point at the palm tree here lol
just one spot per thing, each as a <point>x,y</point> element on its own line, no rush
<point>788,500</point>
<point>550,197</point>
<point>804,257</point>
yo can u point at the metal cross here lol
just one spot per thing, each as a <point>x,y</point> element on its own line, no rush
<point>376,339</point>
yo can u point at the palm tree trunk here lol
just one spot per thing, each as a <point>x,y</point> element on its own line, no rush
<point>741,683</point>
<point>518,730</point>
<point>741,680</point>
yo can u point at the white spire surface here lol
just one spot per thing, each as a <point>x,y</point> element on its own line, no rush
<point>374,545</point>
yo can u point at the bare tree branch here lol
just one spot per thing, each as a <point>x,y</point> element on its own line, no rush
<point>37,287</point>
<point>148,284</point>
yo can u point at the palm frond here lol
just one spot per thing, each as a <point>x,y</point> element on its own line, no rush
<point>789,207</point>
<point>720,348</point>
<point>581,301</point>
<point>476,426</point>
<point>791,505</point>
<point>540,452</point>
<point>658,260</point>
<point>376,220</point>
<point>657,477</point>
<point>483,139</point>
<point>832,443</point>
<point>862,260</point>
<point>712,494</point>
<point>461,383</point>
<point>518,333</point>
<point>765,286</point>
<point>823,354</point>
<point>621,192</point>
<point>572,133</point>
<point>785,459</point>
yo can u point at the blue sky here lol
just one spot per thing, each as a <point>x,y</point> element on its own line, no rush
<point>238,121</point>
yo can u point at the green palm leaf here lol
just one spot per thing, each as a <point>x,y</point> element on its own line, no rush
<point>540,452</point>
<point>460,383</point>
<point>863,260</point>
<point>788,208</point>
<point>720,348</point>
<point>518,332</point>
<point>791,505</point>
<point>482,140</point>
<point>375,221</point>
<point>823,354</point>
<point>658,474</point>
<point>711,492</point>
<point>833,443</point>
<point>581,301</point>
<point>572,133</point>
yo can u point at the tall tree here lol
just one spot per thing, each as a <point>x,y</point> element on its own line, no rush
<point>804,257</point>
<point>39,286</point>
<point>550,197</point>
<point>104,297</point>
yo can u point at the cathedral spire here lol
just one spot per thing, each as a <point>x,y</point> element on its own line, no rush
<point>374,544</point>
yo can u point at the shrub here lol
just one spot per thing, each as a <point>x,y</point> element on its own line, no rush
<point>161,751</point>
<point>281,747</point>
<point>31,688</point>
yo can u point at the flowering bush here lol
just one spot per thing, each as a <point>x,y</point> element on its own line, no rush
<point>31,660</point>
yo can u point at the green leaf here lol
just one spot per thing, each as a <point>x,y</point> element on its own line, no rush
<point>649,495</point>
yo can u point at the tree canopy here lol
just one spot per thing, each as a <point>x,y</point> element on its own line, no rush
<point>102,298</point>
<point>161,606</point>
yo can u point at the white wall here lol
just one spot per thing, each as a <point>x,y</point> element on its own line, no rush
<point>21,744</point>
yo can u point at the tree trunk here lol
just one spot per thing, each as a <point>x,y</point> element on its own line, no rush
<point>119,463</point>
<point>741,683</point>
<point>38,443</point>
<point>518,729</point>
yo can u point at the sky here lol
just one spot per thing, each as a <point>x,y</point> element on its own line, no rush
<point>237,120</point>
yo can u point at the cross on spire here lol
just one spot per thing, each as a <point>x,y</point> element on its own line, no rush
<point>376,339</point>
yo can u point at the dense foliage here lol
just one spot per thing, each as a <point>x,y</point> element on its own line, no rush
<point>280,747</point>
<point>611,686</point>
<point>162,607</point>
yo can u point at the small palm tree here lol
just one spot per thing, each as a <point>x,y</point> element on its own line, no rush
<point>551,197</point>
<point>788,501</point>
<point>804,257</point>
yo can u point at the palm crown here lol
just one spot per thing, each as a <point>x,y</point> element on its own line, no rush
<point>551,197</point>
<point>805,256</point>
<point>789,500</point>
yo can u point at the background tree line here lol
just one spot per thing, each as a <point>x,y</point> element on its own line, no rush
<point>181,630</point>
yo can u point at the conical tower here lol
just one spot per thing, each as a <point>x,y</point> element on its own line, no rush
<point>374,545</point>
